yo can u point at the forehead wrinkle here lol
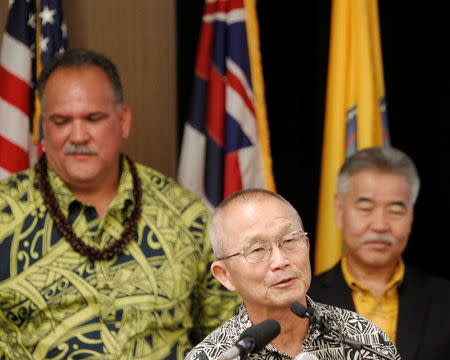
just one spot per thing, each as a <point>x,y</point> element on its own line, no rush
<point>284,230</point>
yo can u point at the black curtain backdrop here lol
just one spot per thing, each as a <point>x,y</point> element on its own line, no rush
<point>294,46</point>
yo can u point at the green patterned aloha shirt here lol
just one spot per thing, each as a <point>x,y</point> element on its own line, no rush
<point>154,301</point>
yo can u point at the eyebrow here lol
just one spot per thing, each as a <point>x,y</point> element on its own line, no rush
<point>259,237</point>
<point>366,199</point>
<point>57,116</point>
<point>85,116</point>
<point>399,203</point>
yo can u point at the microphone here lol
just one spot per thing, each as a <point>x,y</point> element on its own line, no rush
<point>300,310</point>
<point>309,312</point>
<point>242,347</point>
<point>253,339</point>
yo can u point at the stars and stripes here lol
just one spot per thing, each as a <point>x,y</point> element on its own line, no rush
<point>28,42</point>
<point>222,151</point>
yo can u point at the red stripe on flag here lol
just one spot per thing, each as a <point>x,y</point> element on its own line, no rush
<point>15,91</point>
<point>215,116</point>
<point>12,157</point>
<point>236,84</point>
<point>204,51</point>
<point>224,6</point>
<point>207,33</point>
<point>216,7</point>
<point>350,140</point>
<point>232,176</point>
<point>236,4</point>
<point>40,148</point>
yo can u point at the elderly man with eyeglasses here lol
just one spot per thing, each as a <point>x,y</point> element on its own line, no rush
<point>262,253</point>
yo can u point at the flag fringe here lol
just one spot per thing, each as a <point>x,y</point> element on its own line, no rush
<point>258,91</point>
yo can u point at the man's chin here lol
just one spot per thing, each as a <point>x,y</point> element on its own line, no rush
<point>287,298</point>
<point>377,261</point>
<point>81,177</point>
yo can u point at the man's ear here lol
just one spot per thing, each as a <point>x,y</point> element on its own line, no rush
<point>125,121</point>
<point>338,210</point>
<point>220,272</point>
<point>307,242</point>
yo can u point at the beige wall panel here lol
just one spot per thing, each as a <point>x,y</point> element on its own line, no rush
<point>140,37</point>
<point>3,14</point>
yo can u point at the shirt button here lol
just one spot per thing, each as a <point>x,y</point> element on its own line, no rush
<point>378,308</point>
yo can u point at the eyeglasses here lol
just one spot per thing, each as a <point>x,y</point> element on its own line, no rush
<point>260,251</point>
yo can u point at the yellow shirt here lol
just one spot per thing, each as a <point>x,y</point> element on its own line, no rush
<point>382,310</point>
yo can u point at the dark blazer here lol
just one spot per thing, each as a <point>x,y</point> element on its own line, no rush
<point>423,328</point>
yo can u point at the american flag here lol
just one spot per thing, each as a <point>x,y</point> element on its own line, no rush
<point>28,42</point>
<point>225,142</point>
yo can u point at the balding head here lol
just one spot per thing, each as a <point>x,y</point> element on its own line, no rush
<point>219,229</point>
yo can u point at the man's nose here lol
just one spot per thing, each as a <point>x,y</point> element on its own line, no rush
<point>380,222</point>
<point>278,257</point>
<point>79,131</point>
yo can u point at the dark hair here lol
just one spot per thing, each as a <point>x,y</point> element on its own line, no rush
<point>385,159</point>
<point>81,58</point>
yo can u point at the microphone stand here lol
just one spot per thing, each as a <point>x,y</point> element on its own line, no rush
<point>331,334</point>
<point>337,336</point>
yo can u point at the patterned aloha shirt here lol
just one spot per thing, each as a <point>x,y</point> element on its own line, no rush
<point>151,302</point>
<point>351,324</point>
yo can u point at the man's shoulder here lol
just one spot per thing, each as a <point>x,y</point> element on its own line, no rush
<point>217,342</point>
<point>330,273</point>
<point>165,191</point>
<point>23,177</point>
<point>353,325</point>
<point>328,279</point>
<point>157,181</point>
<point>338,314</point>
<point>425,281</point>
<point>19,186</point>
<point>19,198</point>
<point>423,275</point>
<point>149,174</point>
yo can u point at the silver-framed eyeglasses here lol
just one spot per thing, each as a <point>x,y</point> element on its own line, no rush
<point>259,251</point>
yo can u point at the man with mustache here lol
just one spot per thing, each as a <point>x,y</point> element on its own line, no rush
<point>262,253</point>
<point>100,257</point>
<point>374,205</point>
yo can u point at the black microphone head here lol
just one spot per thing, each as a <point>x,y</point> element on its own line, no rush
<point>299,309</point>
<point>262,333</point>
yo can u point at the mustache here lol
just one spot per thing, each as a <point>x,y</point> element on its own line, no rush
<point>379,238</point>
<point>79,149</point>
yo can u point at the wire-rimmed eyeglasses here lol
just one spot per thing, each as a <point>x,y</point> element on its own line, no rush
<point>260,251</point>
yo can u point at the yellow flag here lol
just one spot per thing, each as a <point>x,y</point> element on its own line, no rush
<point>355,114</point>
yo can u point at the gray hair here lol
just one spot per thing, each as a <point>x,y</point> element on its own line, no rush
<point>385,159</point>
<point>216,232</point>
<point>80,58</point>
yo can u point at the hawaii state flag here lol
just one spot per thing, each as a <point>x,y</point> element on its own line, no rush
<point>355,115</point>
<point>225,144</point>
<point>30,39</point>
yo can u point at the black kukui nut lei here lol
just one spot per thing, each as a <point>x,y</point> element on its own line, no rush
<point>64,227</point>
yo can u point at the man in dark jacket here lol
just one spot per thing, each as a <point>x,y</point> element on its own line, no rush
<point>376,191</point>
